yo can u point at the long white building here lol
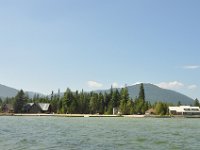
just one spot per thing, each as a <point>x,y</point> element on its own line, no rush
<point>184,110</point>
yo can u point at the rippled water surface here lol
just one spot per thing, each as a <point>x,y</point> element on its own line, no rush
<point>52,133</point>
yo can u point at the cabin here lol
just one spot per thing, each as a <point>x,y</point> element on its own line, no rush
<point>27,107</point>
<point>150,112</point>
<point>37,108</point>
<point>7,108</point>
<point>184,110</point>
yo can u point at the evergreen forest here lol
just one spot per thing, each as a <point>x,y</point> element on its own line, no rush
<point>92,102</point>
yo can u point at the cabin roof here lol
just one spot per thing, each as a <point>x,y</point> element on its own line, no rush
<point>30,104</point>
<point>44,106</point>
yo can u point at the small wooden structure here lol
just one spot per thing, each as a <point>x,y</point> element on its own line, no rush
<point>7,108</point>
<point>150,112</point>
<point>116,111</point>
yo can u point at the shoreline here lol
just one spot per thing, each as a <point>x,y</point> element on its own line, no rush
<point>73,115</point>
<point>98,115</point>
<point>84,115</point>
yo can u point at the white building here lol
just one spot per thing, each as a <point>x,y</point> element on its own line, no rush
<point>184,110</point>
<point>116,111</point>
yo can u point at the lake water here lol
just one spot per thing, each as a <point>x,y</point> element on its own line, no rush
<point>54,133</point>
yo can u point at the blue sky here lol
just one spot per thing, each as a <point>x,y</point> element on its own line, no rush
<point>92,44</point>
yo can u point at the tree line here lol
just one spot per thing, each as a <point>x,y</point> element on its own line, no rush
<point>91,102</point>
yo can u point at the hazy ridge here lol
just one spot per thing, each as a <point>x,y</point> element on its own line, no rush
<point>152,92</point>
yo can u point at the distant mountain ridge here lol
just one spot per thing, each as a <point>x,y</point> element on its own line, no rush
<point>6,91</point>
<point>154,93</point>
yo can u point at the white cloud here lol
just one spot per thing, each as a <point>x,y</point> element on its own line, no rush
<point>94,84</point>
<point>115,85</point>
<point>170,85</point>
<point>191,67</point>
<point>192,87</point>
<point>137,83</point>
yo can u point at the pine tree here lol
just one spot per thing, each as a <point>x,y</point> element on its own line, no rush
<point>124,99</point>
<point>20,100</point>
<point>106,101</point>
<point>67,100</point>
<point>140,104</point>
<point>94,105</point>
<point>81,102</point>
<point>196,102</point>
<point>101,103</point>
<point>142,93</point>
<point>1,101</point>
<point>60,108</point>
<point>124,94</point>
<point>179,103</point>
<point>115,98</point>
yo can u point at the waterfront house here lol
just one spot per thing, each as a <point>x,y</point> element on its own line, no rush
<point>27,107</point>
<point>184,110</point>
<point>7,108</point>
<point>38,108</point>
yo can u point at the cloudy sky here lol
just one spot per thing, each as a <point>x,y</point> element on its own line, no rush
<point>93,44</point>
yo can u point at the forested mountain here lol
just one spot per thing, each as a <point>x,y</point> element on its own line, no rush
<point>136,99</point>
<point>154,93</point>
